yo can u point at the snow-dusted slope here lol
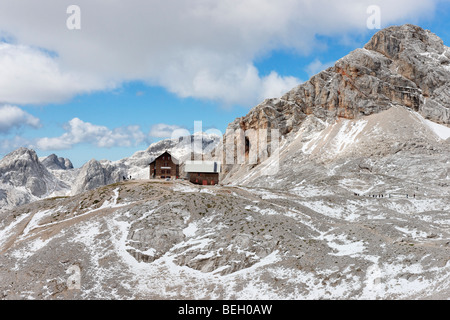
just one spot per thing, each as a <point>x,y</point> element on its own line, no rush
<point>150,240</point>
<point>441,131</point>
<point>371,134</point>
<point>392,147</point>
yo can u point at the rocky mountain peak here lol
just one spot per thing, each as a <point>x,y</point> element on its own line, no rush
<point>23,161</point>
<point>22,168</point>
<point>54,162</point>
<point>94,174</point>
<point>394,40</point>
<point>400,66</point>
<point>21,154</point>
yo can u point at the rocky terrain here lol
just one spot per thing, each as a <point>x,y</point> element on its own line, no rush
<point>170,240</point>
<point>357,208</point>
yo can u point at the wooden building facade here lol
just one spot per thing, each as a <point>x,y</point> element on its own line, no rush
<point>204,178</point>
<point>165,167</point>
<point>203,172</point>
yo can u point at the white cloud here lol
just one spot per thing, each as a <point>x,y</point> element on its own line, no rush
<point>53,143</point>
<point>235,84</point>
<point>317,66</point>
<point>14,117</point>
<point>7,145</point>
<point>194,48</point>
<point>30,76</point>
<point>274,86</point>
<point>163,130</point>
<point>78,131</point>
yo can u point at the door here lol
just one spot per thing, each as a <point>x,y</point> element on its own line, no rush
<point>205,182</point>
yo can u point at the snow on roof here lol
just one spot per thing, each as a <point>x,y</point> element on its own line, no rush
<point>174,159</point>
<point>202,167</point>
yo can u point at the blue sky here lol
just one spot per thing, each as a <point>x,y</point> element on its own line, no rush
<point>136,70</point>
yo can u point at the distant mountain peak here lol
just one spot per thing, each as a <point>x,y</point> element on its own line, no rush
<point>22,153</point>
<point>54,162</point>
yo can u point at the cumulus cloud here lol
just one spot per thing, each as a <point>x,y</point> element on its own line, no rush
<point>235,84</point>
<point>162,130</point>
<point>31,76</point>
<point>193,48</point>
<point>14,117</point>
<point>78,131</point>
<point>274,86</point>
<point>7,145</point>
<point>317,66</point>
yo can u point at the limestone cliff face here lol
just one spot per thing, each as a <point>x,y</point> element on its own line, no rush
<point>420,57</point>
<point>401,65</point>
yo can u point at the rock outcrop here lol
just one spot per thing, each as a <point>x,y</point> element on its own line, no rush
<point>401,65</point>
